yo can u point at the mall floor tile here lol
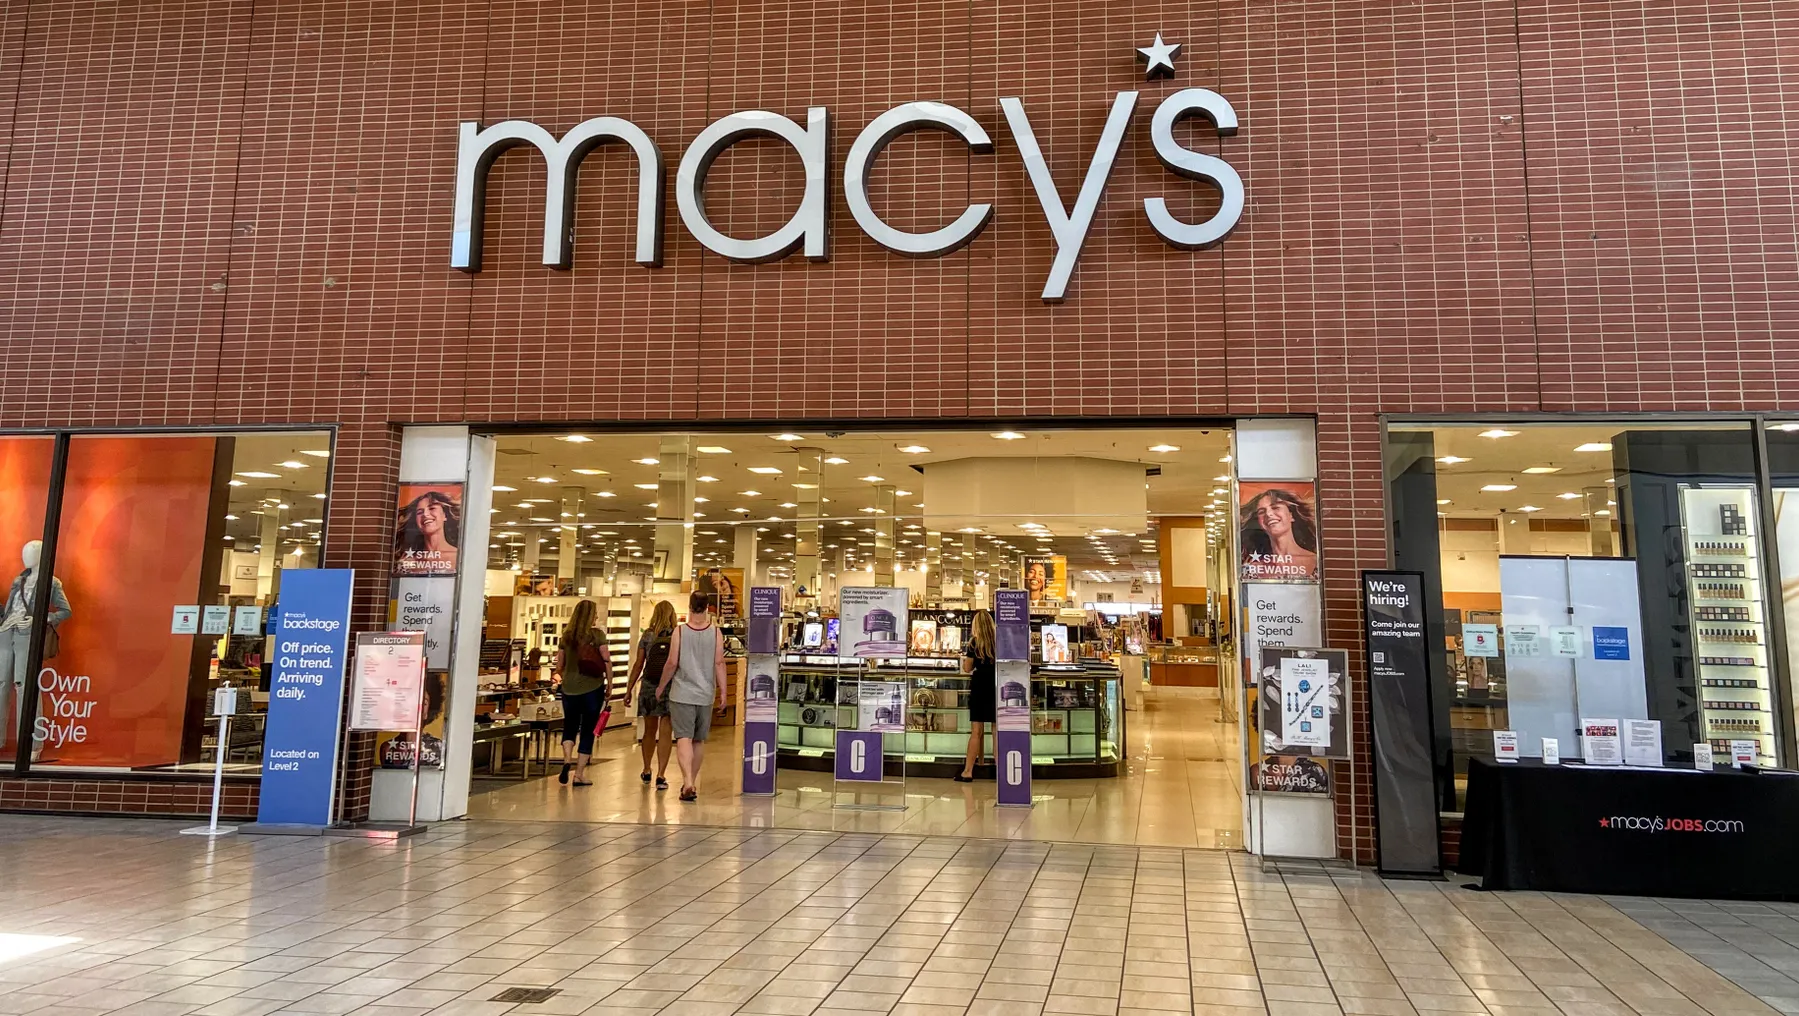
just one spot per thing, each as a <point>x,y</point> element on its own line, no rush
<point>120,918</point>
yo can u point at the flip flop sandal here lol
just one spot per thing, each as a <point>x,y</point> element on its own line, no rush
<point>646,776</point>
<point>583,783</point>
<point>564,777</point>
<point>690,795</point>
<point>661,784</point>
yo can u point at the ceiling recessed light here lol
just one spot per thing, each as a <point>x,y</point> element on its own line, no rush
<point>255,475</point>
<point>1008,435</point>
<point>1221,479</point>
<point>1594,446</point>
<point>647,462</point>
<point>575,438</point>
<point>701,500</point>
<point>741,511</point>
<point>871,478</point>
<point>1529,508</point>
<point>591,472</point>
<point>914,449</point>
<point>804,486</point>
<point>1164,448</point>
<point>1569,496</point>
<point>1497,433</point>
<point>502,488</point>
<point>712,449</point>
<point>1603,511</point>
<point>765,470</point>
<point>788,504</point>
<point>786,437</point>
<point>1450,460</point>
<point>1499,488</point>
<point>604,493</point>
<point>317,453</point>
<point>836,460</point>
<point>646,486</point>
<point>1444,500</point>
<point>706,479</point>
<point>291,464</point>
<point>543,479</point>
<point>1539,470</point>
<point>750,493</point>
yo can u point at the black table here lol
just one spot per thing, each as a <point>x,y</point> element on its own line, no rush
<point>1671,832</point>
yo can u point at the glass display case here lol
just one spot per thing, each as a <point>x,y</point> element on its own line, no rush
<point>1077,721</point>
<point>1727,608</point>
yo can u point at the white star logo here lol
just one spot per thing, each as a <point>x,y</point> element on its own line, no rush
<point>1159,58</point>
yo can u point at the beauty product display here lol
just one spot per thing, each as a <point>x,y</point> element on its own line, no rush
<point>1725,593</point>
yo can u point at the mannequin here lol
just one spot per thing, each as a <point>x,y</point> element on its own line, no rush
<point>15,632</point>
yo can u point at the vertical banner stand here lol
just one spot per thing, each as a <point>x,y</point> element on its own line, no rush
<point>1271,716</point>
<point>387,692</point>
<point>224,704</point>
<point>761,702</point>
<point>1012,697</point>
<point>873,628</point>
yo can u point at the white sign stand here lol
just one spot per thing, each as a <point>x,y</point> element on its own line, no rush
<point>388,667</point>
<point>224,704</point>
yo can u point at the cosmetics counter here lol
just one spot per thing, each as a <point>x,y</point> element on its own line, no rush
<point>1077,723</point>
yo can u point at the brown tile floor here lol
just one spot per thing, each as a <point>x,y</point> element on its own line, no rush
<point>103,916</point>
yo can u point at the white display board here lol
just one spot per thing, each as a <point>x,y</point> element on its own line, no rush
<point>1546,693</point>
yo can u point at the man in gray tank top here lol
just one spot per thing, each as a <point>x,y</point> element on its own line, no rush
<point>693,684</point>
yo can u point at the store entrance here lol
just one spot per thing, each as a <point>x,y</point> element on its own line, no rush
<point>1119,536</point>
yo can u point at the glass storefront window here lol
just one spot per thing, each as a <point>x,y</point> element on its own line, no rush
<point>25,464</point>
<point>1783,480</point>
<point>169,551</point>
<point>1590,569</point>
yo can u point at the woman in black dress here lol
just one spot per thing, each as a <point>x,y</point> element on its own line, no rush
<point>977,663</point>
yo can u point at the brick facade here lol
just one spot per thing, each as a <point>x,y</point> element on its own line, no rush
<point>233,212</point>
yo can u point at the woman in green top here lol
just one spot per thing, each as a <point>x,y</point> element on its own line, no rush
<point>586,668</point>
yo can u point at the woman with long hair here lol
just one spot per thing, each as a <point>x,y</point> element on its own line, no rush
<point>586,668</point>
<point>977,663</point>
<point>652,709</point>
<point>1279,527</point>
<point>428,532</point>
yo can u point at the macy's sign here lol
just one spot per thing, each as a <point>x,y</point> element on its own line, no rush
<point>809,227</point>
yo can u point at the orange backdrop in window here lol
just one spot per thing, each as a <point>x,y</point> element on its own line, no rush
<point>24,486</point>
<point>128,552</point>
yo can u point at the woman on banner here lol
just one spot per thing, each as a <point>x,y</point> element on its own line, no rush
<point>652,653</point>
<point>426,537</point>
<point>586,668</point>
<point>977,663</point>
<point>1278,536</point>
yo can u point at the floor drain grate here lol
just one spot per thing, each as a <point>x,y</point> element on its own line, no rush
<point>525,995</point>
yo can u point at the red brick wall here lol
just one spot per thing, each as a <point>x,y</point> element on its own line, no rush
<point>222,212</point>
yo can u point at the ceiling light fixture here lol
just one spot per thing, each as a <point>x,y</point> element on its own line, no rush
<point>317,453</point>
<point>1450,460</point>
<point>502,488</point>
<point>646,486</point>
<point>1594,446</point>
<point>1008,435</point>
<point>871,478</point>
<point>647,462</point>
<point>786,437</point>
<point>1541,470</point>
<point>1499,488</point>
<point>591,472</point>
<point>575,438</point>
<point>1569,496</point>
<point>256,475</point>
<point>712,449</point>
<point>765,470</point>
<point>1497,433</point>
<point>604,493</point>
<point>1164,448</point>
<point>914,449</point>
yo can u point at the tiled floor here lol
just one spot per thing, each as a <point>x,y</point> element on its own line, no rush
<point>122,917</point>
<point>1179,790</point>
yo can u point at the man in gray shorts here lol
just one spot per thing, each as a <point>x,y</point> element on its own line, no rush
<point>693,684</point>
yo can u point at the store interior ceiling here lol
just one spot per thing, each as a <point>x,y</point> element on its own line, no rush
<point>1186,473</point>
<point>281,474</point>
<point>1549,471</point>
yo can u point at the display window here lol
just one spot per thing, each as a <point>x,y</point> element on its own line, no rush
<point>1122,538</point>
<point>1593,570</point>
<point>25,466</point>
<point>168,552</point>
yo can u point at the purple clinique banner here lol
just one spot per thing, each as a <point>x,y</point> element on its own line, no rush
<point>761,715</point>
<point>1012,733</point>
<point>858,755</point>
<point>1012,624</point>
<point>765,619</point>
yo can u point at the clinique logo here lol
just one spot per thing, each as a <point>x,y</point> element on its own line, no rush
<point>808,229</point>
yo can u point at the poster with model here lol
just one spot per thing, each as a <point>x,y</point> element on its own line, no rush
<point>1046,578</point>
<point>874,623</point>
<point>428,529</point>
<point>1300,701</point>
<point>723,588</point>
<point>1055,644</point>
<point>1277,531</point>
